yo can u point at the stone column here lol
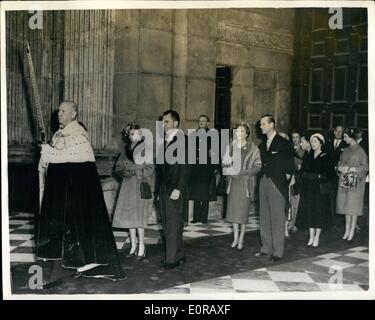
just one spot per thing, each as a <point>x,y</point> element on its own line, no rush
<point>88,70</point>
<point>179,63</point>
<point>126,68</point>
<point>201,65</point>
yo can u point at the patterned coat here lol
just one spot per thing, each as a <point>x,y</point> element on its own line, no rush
<point>350,201</point>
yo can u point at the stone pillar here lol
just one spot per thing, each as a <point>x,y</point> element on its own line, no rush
<point>155,65</point>
<point>201,65</point>
<point>179,64</point>
<point>125,85</point>
<point>88,70</point>
<point>282,101</point>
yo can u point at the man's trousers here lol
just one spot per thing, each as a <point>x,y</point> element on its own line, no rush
<point>272,218</point>
<point>172,217</point>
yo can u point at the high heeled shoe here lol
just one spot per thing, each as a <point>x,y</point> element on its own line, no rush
<point>143,256</point>
<point>234,245</point>
<point>132,254</point>
<point>240,246</point>
<point>348,239</point>
<point>315,244</point>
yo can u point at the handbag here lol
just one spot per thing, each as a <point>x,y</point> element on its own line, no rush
<point>349,180</point>
<point>145,189</point>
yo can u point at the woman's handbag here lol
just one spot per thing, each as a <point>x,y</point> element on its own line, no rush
<point>349,180</point>
<point>145,190</point>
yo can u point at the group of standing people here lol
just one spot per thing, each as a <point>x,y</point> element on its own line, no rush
<point>167,184</point>
<point>304,184</point>
<point>329,181</point>
<point>298,184</point>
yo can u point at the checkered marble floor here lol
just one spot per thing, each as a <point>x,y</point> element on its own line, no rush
<point>310,274</point>
<point>22,243</point>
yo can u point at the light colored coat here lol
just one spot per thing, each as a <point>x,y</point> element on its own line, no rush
<point>250,166</point>
<point>131,210</point>
<point>350,201</point>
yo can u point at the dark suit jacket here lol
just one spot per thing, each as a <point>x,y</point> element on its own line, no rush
<point>336,153</point>
<point>174,176</point>
<point>277,161</point>
<point>364,144</point>
<point>202,182</point>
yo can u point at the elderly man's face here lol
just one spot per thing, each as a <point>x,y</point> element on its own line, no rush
<point>202,123</point>
<point>339,130</point>
<point>66,114</point>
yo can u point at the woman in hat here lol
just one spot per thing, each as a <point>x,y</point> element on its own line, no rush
<point>241,182</point>
<point>352,170</point>
<point>315,206</point>
<point>132,210</point>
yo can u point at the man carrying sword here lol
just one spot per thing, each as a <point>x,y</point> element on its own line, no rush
<point>74,226</point>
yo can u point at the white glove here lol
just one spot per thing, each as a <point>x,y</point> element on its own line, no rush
<point>175,194</point>
<point>42,165</point>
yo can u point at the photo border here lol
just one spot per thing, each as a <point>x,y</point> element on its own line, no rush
<point>77,5</point>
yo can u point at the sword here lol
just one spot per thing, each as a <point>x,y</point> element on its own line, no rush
<point>39,117</point>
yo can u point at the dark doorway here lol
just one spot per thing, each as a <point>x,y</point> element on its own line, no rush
<point>223,98</point>
<point>223,108</point>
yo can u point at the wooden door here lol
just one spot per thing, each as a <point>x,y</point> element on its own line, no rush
<point>331,72</point>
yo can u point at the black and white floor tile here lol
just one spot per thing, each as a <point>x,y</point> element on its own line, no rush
<point>319,273</point>
<point>22,242</point>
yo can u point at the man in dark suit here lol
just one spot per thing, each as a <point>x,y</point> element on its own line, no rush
<point>173,178</point>
<point>362,140</point>
<point>277,162</point>
<point>202,182</point>
<point>337,145</point>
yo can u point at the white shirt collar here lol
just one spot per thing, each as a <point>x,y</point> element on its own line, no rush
<point>272,136</point>
<point>270,139</point>
<point>171,134</point>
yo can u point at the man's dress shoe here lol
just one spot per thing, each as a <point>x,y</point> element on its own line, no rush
<point>168,265</point>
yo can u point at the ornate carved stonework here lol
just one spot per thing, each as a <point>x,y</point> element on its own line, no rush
<point>255,37</point>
